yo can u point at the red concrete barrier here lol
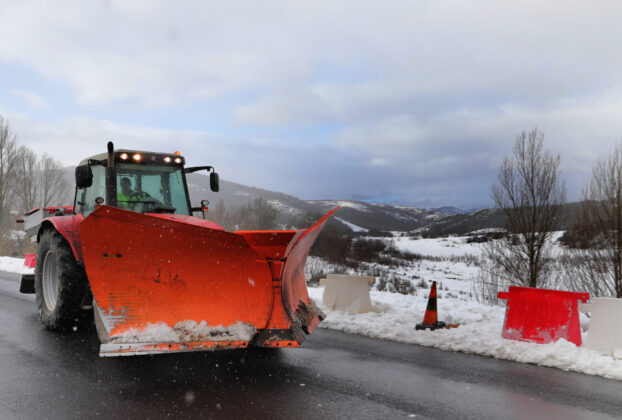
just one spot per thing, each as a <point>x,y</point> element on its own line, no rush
<point>29,260</point>
<point>542,315</point>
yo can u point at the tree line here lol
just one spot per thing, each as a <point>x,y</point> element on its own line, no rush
<point>257,215</point>
<point>27,179</point>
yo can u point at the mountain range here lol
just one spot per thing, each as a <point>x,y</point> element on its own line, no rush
<point>357,215</point>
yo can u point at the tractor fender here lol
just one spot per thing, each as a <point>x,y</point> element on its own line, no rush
<point>69,228</point>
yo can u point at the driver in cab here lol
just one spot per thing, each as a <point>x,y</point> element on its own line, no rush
<point>123,196</point>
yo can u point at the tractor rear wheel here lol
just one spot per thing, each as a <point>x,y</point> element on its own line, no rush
<point>60,283</point>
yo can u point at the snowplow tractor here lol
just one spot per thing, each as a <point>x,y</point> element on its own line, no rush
<point>158,279</point>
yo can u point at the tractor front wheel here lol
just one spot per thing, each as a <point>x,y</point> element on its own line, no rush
<point>60,283</point>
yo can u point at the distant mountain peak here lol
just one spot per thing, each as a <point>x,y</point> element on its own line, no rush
<point>450,210</point>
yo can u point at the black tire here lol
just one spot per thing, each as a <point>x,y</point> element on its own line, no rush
<point>60,284</point>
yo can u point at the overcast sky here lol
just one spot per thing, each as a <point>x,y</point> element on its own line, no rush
<point>389,101</point>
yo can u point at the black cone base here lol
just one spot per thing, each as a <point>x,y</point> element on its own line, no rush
<point>439,324</point>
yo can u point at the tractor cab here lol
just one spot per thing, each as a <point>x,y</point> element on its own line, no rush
<point>144,182</point>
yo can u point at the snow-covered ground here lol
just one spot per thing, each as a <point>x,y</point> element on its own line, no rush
<point>352,226</point>
<point>438,247</point>
<point>284,208</point>
<point>14,265</point>
<point>350,204</point>
<point>455,245</point>
<point>395,315</point>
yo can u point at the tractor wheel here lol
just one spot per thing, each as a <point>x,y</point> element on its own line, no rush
<point>60,283</point>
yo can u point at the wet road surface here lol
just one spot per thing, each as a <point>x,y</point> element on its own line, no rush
<point>47,375</point>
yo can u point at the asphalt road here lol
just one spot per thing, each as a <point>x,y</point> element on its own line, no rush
<point>45,375</point>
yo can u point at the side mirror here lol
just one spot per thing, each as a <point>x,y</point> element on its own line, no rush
<point>214,181</point>
<point>213,176</point>
<point>84,176</point>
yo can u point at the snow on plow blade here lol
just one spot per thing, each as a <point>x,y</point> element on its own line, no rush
<point>162,283</point>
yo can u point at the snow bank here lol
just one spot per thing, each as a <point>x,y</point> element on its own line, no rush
<point>15,265</point>
<point>394,317</point>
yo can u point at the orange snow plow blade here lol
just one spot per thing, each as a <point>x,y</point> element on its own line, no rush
<point>163,284</point>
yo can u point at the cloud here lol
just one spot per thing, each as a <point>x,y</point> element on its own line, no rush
<point>157,53</point>
<point>76,138</point>
<point>31,98</point>
<point>467,146</point>
<point>379,162</point>
<point>412,100</point>
<point>297,169</point>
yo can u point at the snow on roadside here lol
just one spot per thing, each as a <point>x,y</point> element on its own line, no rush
<point>394,317</point>
<point>15,265</point>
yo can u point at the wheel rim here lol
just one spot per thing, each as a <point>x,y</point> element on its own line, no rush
<point>50,281</point>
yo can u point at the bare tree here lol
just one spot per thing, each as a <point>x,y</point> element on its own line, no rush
<point>54,187</point>
<point>487,283</point>
<point>7,168</point>
<point>265,214</point>
<point>41,181</point>
<point>599,265</point>
<point>256,215</point>
<point>26,172</point>
<point>221,216</point>
<point>530,194</point>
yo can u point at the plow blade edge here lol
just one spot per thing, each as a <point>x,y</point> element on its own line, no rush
<point>295,315</point>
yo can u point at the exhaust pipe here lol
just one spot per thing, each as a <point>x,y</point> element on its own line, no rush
<point>111,178</point>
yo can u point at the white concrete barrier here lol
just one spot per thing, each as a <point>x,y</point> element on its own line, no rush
<point>347,293</point>
<point>605,332</point>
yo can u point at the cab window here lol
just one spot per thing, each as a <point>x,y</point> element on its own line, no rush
<point>144,188</point>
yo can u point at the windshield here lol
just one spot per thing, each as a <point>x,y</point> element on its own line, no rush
<point>151,188</point>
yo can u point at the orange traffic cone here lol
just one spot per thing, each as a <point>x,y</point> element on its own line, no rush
<point>430,320</point>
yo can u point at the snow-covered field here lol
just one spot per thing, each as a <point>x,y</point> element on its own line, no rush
<point>395,315</point>
<point>439,247</point>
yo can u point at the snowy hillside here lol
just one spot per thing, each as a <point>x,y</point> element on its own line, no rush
<point>378,216</point>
